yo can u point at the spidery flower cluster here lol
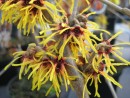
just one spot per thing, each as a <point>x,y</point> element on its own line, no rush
<point>48,62</point>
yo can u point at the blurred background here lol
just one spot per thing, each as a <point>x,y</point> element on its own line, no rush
<point>11,40</point>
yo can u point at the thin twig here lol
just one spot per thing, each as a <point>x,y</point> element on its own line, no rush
<point>117,14</point>
<point>89,64</point>
<point>125,11</point>
<point>74,9</point>
<point>111,88</point>
<point>37,41</point>
<point>3,70</point>
<point>78,84</point>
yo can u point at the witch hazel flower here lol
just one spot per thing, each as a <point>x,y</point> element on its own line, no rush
<point>77,35</point>
<point>105,48</point>
<point>28,13</point>
<point>62,40</point>
<point>93,77</point>
<point>42,67</point>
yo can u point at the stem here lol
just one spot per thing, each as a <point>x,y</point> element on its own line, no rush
<point>89,62</point>
<point>111,88</point>
<point>74,9</point>
<point>37,41</point>
<point>118,15</point>
<point>77,84</point>
<point>3,70</point>
<point>125,11</point>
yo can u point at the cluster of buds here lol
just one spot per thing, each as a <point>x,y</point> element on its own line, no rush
<point>49,63</point>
